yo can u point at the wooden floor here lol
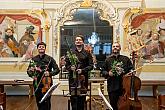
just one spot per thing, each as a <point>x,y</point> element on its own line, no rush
<point>60,103</point>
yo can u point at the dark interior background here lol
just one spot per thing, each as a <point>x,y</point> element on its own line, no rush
<point>83,23</point>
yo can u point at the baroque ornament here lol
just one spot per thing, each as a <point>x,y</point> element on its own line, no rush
<point>105,10</point>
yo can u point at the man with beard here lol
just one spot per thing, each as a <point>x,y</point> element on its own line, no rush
<point>42,68</point>
<point>83,64</point>
<point>115,67</point>
<point>11,41</point>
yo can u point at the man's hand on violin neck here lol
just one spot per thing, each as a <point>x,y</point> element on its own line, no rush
<point>46,73</point>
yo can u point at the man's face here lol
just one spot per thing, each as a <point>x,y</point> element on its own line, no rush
<point>79,41</point>
<point>116,48</point>
<point>155,37</point>
<point>41,49</point>
<point>139,32</point>
<point>9,33</point>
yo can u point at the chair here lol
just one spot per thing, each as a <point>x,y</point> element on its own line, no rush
<point>161,102</point>
<point>3,100</point>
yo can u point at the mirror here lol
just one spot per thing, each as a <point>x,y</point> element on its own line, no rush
<point>97,33</point>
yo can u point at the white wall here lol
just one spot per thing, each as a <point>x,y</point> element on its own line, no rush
<point>154,3</point>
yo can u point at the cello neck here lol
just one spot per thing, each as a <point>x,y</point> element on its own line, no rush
<point>132,87</point>
<point>132,92</point>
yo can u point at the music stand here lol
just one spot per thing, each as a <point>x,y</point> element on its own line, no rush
<point>49,92</point>
<point>105,100</point>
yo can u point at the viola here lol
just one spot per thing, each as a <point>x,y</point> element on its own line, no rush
<point>131,84</point>
<point>78,84</point>
<point>81,79</point>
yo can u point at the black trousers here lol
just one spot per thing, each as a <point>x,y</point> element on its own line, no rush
<point>45,105</point>
<point>78,102</point>
<point>114,97</point>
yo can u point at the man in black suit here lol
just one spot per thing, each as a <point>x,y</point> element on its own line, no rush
<point>83,64</point>
<point>115,67</point>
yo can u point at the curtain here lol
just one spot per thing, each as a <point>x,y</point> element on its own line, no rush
<point>138,20</point>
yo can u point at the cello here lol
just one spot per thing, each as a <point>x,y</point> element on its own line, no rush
<point>131,84</point>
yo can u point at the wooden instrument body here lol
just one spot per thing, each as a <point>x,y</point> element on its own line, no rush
<point>78,85</point>
<point>131,85</point>
<point>129,100</point>
<point>46,81</point>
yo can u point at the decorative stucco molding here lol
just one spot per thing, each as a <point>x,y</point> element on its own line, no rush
<point>65,12</point>
<point>105,9</point>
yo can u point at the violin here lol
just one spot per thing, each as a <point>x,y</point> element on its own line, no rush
<point>131,84</point>
<point>46,81</point>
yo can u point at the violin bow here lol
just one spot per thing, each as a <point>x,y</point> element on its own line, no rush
<point>135,69</point>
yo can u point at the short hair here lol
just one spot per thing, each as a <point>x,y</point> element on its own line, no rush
<point>9,29</point>
<point>30,28</point>
<point>81,36</point>
<point>116,43</point>
<point>139,29</point>
<point>41,43</point>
